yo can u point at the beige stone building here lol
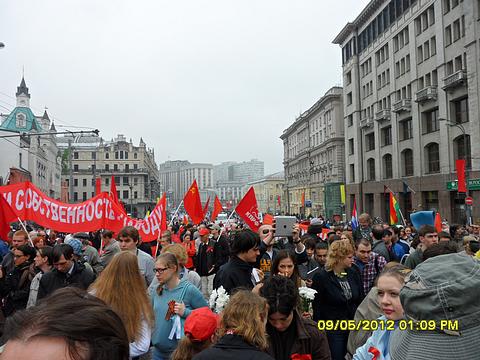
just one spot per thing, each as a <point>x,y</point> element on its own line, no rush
<point>269,193</point>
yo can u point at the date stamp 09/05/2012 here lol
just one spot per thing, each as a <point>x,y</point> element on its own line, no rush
<point>372,325</point>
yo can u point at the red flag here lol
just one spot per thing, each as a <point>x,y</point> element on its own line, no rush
<point>185,219</point>
<point>303,199</point>
<point>462,185</point>
<point>7,215</point>
<point>247,209</point>
<point>192,203</point>
<point>98,186</point>
<point>267,219</point>
<point>217,208</point>
<point>113,190</point>
<point>438,222</point>
<point>205,209</point>
<point>278,200</point>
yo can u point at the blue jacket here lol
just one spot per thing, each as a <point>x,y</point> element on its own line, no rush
<point>380,340</point>
<point>191,297</point>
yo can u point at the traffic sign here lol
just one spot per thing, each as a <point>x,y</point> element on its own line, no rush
<point>468,200</point>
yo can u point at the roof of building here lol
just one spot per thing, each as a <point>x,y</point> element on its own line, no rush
<point>278,176</point>
<point>31,123</point>
<point>22,89</point>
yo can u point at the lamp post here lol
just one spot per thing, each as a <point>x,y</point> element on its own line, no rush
<point>465,148</point>
<point>2,45</point>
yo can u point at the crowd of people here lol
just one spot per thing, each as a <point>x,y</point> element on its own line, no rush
<point>381,292</point>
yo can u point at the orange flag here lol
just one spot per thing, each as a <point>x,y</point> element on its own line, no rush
<point>438,222</point>
<point>217,208</point>
<point>192,204</point>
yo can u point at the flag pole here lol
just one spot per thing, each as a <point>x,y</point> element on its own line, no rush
<point>175,213</point>
<point>226,222</point>
<point>25,229</point>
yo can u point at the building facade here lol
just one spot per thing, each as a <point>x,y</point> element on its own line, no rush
<point>177,176</point>
<point>410,86</point>
<point>231,178</point>
<point>133,168</point>
<point>29,157</point>
<point>314,157</point>
<point>269,193</point>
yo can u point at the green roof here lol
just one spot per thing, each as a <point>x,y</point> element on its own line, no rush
<point>31,123</point>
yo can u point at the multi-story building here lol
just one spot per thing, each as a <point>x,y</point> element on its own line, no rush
<point>177,176</point>
<point>410,74</point>
<point>314,158</point>
<point>30,157</point>
<point>231,178</point>
<point>133,168</point>
<point>269,193</point>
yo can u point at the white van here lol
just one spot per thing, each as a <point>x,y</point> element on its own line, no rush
<point>221,218</point>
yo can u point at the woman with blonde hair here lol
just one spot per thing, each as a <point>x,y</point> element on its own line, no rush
<point>242,330</point>
<point>122,287</point>
<point>339,292</point>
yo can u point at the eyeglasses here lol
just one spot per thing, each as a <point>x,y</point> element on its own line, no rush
<point>160,270</point>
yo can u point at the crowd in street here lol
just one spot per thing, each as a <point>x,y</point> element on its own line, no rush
<point>223,291</point>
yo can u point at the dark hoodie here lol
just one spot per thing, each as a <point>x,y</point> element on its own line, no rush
<point>234,274</point>
<point>232,347</point>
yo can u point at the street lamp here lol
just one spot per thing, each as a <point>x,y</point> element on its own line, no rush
<point>2,45</point>
<point>460,126</point>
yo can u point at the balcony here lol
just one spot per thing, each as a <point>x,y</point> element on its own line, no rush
<point>455,80</point>
<point>402,105</point>
<point>366,122</point>
<point>427,94</point>
<point>383,115</point>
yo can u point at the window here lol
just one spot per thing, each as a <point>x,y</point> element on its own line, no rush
<point>407,162</point>
<point>456,30</point>
<point>75,182</point>
<point>125,180</point>
<point>127,167</point>
<point>117,180</point>
<point>459,149</point>
<point>406,129</point>
<point>107,181</point>
<point>135,181</point>
<point>387,167</point>
<point>75,167</point>
<point>135,194</point>
<point>107,167</point>
<point>116,155</point>
<point>126,155</point>
<point>107,155</point>
<point>134,155</point>
<point>370,141</point>
<point>84,197</point>
<point>84,182</point>
<point>350,147</point>
<point>387,136</point>
<point>430,199</point>
<point>93,182</point>
<point>115,167</point>
<point>446,6</point>
<point>349,98</point>
<point>461,110</point>
<point>75,155</point>
<point>371,169</point>
<point>94,155</point>
<point>426,50</point>
<point>432,157</point>
<point>135,166</point>
<point>433,46</point>
<point>430,121</point>
<point>125,194</point>
<point>448,35</point>
<point>419,54</point>
<point>348,78</point>
<point>75,196</point>
<point>350,120</point>
<point>352,173</point>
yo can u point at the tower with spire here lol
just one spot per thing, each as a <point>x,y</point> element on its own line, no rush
<point>23,96</point>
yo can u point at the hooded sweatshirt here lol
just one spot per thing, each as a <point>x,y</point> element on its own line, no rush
<point>191,297</point>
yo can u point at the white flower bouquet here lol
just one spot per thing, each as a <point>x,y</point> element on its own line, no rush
<point>306,295</point>
<point>218,299</point>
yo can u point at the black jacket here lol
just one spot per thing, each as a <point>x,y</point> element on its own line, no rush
<point>232,347</point>
<point>206,258</point>
<point>223,251</point>
<point>53,280</point>
<point>234,274</point>
<point>15,288</point>
<point>330,302</point>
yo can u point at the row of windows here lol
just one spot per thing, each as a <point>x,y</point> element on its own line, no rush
<point>383,79</point>
<point>118,155</point>
<point>124,197</point>
<point>425,20</point>
<point>428,79</point>
<point>401,39</point>
<point>427,50</point>
<point>455,31</point>
<point>366,67</point>
<point>402,66</point>
<point>367,89</point>
<point>382,55</point>
<point>450,5</point>
<point>457,64</point>
<point>116,167</point>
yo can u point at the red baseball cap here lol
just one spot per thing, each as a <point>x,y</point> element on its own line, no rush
<point>203,231</point>
<point>201,324</point>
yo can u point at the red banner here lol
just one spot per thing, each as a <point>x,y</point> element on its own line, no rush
<point>247,209</point>
<point>462,185</point>
<point>99,212</point>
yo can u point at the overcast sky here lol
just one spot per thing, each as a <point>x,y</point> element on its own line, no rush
<point>201,80</point>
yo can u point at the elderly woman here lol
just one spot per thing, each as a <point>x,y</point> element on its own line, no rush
<point>339,292</point>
